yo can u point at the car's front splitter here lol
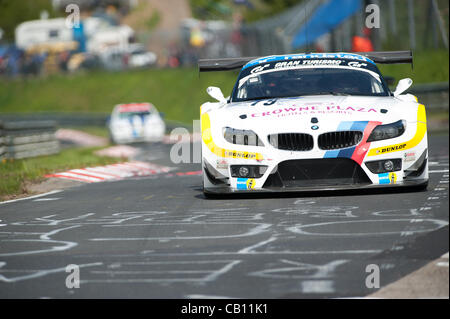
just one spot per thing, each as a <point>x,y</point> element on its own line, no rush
<point>315,188</point>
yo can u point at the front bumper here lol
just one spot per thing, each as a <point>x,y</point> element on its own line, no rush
<point>316,188</point>
<point>410,149</point>
<point>314,174</point>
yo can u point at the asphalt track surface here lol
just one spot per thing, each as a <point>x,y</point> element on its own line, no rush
<point>158,237</point>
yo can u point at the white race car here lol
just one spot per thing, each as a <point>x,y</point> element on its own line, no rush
<point>312,122</point>
<point>136,122</point>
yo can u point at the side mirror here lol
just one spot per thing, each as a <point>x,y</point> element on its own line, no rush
<point>216,93</point>
<point>402,86</point>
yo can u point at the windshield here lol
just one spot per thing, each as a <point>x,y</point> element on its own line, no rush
<point>308,81</point>
<point>124,115</point>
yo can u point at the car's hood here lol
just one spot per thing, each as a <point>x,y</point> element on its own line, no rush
<point>329,111</point>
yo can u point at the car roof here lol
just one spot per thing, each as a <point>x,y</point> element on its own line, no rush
<point>287,57</point>
<point>134,107</point>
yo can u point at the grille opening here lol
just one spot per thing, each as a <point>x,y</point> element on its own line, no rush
<point>339,139</point>
<point>292,141</point>
<point>316,172</point>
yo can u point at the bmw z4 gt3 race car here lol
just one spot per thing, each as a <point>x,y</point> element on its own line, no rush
<point>312,122</point>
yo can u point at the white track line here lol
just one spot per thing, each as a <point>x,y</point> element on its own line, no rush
<point>31,197</point>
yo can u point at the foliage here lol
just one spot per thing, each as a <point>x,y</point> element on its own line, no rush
<point>14,12</point>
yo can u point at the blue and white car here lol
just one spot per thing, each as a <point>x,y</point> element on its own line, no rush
<point>136,122</point>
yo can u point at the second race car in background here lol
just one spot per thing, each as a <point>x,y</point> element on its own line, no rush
<point>136,122</point>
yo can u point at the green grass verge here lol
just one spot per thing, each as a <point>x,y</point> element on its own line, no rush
<point>176,92</point>
<point>14,174</point>
<point>101,131</point>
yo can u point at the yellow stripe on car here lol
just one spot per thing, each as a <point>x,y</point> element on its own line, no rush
<point>218,151</point>
<point>418,137</point>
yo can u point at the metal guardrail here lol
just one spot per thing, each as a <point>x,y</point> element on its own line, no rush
<point>23,139</point>
<point>61,119</point>
<point>75,119</point>
<point>2,146</point>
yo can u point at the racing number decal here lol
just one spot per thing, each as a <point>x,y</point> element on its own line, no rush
<point>268,102</point>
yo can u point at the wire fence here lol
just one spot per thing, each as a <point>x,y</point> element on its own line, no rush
<point>408,24</point>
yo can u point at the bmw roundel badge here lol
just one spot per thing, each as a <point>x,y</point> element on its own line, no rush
<point>314,127</point>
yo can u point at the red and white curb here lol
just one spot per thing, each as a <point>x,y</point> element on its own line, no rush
<point>118,151</point>
<point>113,172</point>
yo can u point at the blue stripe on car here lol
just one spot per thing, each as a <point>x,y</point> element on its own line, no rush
<point>276,58</point>
<point>346,126</point>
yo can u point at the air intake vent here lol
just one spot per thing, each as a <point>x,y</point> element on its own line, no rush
<point>292,141</point>
<point>341,139</point>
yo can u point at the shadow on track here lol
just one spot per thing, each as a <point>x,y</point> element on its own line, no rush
<point>319,193</point>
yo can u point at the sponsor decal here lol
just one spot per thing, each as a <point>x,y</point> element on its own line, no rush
<point>314,56</point>
<point>322,62</point>
<point>390,149</point>
<point>387,178</point>
<point>356,64</point>
<point>246,183</point>
<point>290,64</point>
<point>314,109</point>
<point>296,63</point>
<point>222,164</point>
<point>239,154</point>
<point>260,68</point>
<point>409,157</point>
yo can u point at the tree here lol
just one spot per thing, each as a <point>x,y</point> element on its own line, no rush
<point>14,12</point>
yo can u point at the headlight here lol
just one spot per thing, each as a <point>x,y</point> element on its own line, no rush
<point>241,137</point>
<point>384,132</point>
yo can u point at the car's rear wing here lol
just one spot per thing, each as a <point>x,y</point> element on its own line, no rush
<point>385,57</point>
<point>206,65</point>
<point>389,57</point>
